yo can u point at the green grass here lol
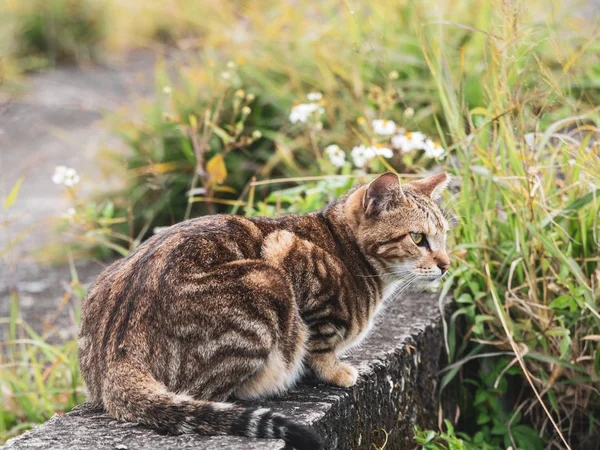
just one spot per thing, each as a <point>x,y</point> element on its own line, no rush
<point>37,378</point>
<point>508,88</point>
<point>39,371</point>
<point>528,238</point>
<point>44,33</point>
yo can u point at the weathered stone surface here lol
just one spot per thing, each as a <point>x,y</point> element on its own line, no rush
<point>397,389</point>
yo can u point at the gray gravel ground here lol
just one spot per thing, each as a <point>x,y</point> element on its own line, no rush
<point>57,122</point>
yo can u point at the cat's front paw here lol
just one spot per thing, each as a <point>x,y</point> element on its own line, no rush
<point>343,375</point>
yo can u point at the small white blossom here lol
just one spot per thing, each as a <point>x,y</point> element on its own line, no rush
<point>362,154</point>
<point>314,96</point>
<point>230,64</point>
<point>66,176</point>
<point>59,174</point>
<point>167,89</point>
<point>409,112</point>
<point>433,149</point>
<point>71,178</point>
<point>226,75</point>
<point>70,214</point>
<point>384,151</point>
<point>336,155</point>
<point>408,142</point>
<point>256,134</point>
<point>384,127</point>
<point>301,112</point>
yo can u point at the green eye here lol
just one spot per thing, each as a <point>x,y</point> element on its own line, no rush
<point>418,238</point>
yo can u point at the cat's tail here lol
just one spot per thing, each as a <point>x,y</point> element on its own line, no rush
<point>134,396</point>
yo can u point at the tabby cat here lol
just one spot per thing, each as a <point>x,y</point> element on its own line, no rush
<point>223,307</point>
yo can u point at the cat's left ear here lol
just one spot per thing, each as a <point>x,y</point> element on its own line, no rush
<point>432,186</point>
<point>383,194</point>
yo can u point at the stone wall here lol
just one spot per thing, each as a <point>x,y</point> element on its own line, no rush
<point>397,388</point>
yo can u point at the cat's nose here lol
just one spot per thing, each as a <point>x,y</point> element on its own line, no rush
<point>444,266</point>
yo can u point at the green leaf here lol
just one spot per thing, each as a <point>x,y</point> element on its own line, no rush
<point>430,436</point>
<point>571,208</point>
<point>552,360</point>
<point>108,210</point>
<point>12,196</point>
<point>226,138</point>
<point>562,302</point>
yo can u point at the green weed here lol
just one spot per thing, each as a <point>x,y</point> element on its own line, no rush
<point>44,33</point>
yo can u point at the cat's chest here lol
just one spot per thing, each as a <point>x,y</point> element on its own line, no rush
<point>356,336</point>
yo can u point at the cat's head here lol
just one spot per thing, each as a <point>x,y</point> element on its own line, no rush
<point>400,227</point>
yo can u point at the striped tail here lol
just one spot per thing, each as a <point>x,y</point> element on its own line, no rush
<point>132,396</point>
<point>263,423</point>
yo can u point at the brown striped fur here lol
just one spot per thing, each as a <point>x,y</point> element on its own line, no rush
<point>225,307</point>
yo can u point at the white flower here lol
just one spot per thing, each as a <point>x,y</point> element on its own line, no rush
<point>167,89</point>
<point>336,155</point>
<point>384,127</point>
<point>314,96</point>
<point>65,176</point>
<point>384,151</point>
<point>59,174</point>
<point>301,112</point>
<point>361,154</point>
<point>433,149</point>
<point>70,214</point>
<point>409,141</point>
<point>71,178</point>
<point>230,64</point>
<point>226,75</point>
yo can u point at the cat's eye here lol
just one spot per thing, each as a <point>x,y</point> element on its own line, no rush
<point>419,239</point>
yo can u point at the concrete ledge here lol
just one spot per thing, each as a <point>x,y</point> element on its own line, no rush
<point>397,389</point>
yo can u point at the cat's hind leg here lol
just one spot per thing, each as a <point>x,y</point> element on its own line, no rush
<point>285,363</point>
<point>253,339</point>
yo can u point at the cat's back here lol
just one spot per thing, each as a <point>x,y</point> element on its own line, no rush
<point>192,246</point>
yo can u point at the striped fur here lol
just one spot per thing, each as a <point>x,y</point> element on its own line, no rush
<point>224,307</point>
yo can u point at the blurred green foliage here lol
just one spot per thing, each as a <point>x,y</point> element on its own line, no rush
<point>41,33</point>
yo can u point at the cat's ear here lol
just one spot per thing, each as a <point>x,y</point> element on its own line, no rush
<point>432,186</point>
<point>383,194</point>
